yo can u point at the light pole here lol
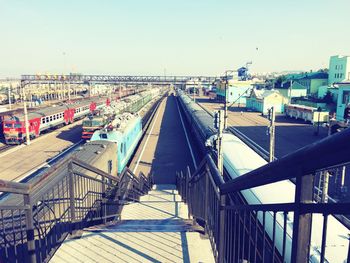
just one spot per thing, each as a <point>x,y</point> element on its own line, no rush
<point>26,123</point>
<point>225,99</point>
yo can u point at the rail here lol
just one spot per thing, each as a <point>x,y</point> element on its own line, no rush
<point>254,231</point>
<point>47,211</point>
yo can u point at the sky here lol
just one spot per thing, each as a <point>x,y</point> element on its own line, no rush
<point>179,37</point>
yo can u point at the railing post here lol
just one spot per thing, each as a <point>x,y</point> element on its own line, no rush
<point>103,203</point>
<point>71,195</point>
<point>30,229</point>
<point>206,196</point>
<point>188,174</point>
<point>302,222</point>
<point>221,250</point>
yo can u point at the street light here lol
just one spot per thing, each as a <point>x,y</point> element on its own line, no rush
<point>225,102</point>
<point>26,122</point>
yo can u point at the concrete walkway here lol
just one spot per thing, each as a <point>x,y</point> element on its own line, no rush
<point>156,229</point>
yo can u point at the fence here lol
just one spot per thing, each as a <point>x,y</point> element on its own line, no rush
<point>242,228</point>
<point>36,218</point>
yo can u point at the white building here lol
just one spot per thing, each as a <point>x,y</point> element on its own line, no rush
<point>339,69</point>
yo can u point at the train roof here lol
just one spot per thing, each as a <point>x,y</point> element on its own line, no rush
<point>50,110</point>
<point>240,159</point>
<point>120,125</point>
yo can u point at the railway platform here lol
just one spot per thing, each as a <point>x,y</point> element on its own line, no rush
<point>158,227</point>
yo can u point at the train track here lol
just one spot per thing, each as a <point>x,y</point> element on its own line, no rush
<point>5,147</point>
<point>256,147</point>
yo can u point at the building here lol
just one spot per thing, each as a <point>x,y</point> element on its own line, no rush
<point>312,81</point>
<point>294,91</point>
<point>237,91</point>
<point>343,99</point>
<point>262,100</point>
<point>339,69</point>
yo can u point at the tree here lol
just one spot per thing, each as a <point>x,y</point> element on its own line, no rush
<point>328,98</point>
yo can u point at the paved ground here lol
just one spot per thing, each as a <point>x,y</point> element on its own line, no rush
<point>15,163</point>
<point>156,229</point>
<point>291,134</point>
<point>164,149</point>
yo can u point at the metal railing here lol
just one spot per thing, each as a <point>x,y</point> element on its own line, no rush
<point>36,218</point>
<point>242,228</point>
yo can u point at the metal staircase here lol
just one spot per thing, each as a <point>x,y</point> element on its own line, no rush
<point>155,229</point>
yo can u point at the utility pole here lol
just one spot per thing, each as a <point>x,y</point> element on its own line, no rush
<point>325,187</point>
<point>9,95</point>
<point>26,123</point>
<point>225,105</point>
<point>271,132</point>
<point>219,125</point>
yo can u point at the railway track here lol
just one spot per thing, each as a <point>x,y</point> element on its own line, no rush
<point>5,147</point>
<point>256,147</point>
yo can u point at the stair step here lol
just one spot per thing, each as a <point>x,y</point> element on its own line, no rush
<point>170,225</point>
<point>155,210</point>
<point>160,197</point>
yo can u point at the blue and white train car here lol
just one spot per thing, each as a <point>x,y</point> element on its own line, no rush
<point>126,132</point>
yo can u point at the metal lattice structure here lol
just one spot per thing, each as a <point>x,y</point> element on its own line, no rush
<point>77,78</point>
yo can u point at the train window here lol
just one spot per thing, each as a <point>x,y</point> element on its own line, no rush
<point>18,125</point>
<point>43,120</point>
<point>50,118</point>
<point>54,117</point>
<point>47,119</point>
<point>121,148</point>
<point>103,136</point>
<point>8,125</point>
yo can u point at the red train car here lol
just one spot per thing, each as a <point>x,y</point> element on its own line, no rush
<point>50,117</point>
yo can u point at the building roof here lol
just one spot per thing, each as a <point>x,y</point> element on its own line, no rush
<point>295,85</point>
<point>263,93</point>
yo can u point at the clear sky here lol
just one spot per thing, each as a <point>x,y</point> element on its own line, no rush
<point>179,37</point>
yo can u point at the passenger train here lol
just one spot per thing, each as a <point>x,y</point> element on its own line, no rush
<point>240,159</point>
<point>125,132</point>
<point>43,119</point>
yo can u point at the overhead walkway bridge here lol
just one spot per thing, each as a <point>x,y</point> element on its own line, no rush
<point>89,215</point>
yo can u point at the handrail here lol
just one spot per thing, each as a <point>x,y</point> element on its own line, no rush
<point>54,206</point>
<point>296,163</point>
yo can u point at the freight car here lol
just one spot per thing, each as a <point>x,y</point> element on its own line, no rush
<point>43,119</point>
<point>239,159</point>
<point>125,132</point>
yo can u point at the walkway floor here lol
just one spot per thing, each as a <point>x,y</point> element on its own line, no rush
<point>156,229</point>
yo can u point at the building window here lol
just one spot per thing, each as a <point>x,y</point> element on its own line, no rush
<point>346,97</point>
<point>336,66</point>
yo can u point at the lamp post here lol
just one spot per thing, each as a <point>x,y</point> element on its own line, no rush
<point>225,102</point>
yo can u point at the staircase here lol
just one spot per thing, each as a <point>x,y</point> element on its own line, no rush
<point>156,229</point>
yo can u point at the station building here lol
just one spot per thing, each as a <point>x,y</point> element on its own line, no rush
<point>262,100</point>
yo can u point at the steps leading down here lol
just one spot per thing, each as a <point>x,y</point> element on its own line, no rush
<point>157,229</point>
